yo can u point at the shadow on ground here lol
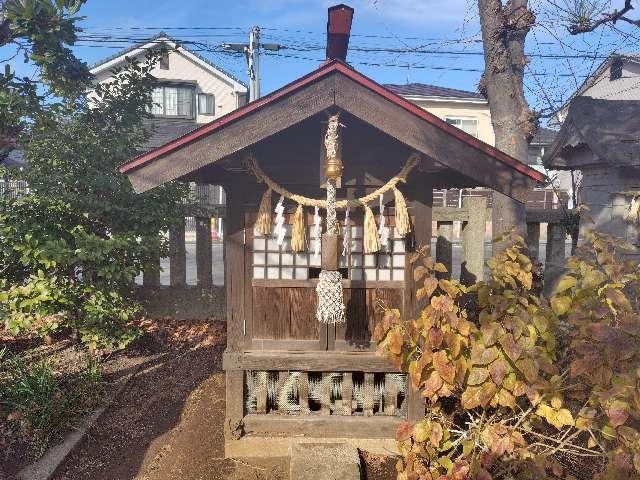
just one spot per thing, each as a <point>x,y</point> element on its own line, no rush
<point>166,424</point>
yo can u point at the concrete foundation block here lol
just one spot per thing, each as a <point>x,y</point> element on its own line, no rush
<point>324,461</point>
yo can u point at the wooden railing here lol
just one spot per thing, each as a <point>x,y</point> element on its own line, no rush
<point>326,393</point>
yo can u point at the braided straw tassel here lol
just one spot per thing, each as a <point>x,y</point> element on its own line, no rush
<point>371,242</point>
<point>298,230</point>
<point>403,225</point>
<point>263,223</point>
<point>633,211</point>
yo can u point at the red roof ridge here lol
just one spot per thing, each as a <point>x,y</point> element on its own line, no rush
<point>325,69</point>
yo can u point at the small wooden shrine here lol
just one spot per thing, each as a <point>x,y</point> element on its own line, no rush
<point>287,373</point>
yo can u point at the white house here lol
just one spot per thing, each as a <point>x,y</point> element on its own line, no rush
<point>191,91</point>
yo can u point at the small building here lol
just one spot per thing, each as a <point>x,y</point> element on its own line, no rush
<point>616,78</point>
<point>288,375</point>
<point>601,139</point>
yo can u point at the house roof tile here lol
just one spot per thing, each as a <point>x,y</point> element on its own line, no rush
<point>426,90</point>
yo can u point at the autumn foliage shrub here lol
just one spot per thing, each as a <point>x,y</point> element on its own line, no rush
<point>519,386</point>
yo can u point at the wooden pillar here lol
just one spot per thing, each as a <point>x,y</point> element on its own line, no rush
<point>420,209</point>
<point>473,231</point>
<point>204,267</point>
<point>234,278</point>
<point>444,250</point>
<point>177,256</point>
<point>533,240</point>
<point>151,270</point>
<point>554,261</point>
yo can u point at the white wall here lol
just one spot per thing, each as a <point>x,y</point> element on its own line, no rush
<point>183,68</point>
<point>625,88</point>
<point>479,111</point>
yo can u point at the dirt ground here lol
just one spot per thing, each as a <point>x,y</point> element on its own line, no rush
<point>167,423</point>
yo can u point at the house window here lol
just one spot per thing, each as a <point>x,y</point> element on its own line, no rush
<point>615,71</point>
<point>205,104</point>
<point>164,61</point>
<point>469,125</point>
<point>172,101</point>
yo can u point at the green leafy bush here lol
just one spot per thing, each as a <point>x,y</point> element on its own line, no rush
<point>70,250</point>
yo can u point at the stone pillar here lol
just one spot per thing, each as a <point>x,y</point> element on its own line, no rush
<point>444,251</point>
<point>506,213</point>
<point>533,240</point>
<point>204,267</point>
<point>177,256</point>
<point>554,261</point>
<point>151,269</point>
<point>473,231</point>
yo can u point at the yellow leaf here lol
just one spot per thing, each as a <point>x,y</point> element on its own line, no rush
<point>565,283</point>
<point>430,284</point>
<point>419,272</point>
<point>560,305</point>
<point>593,278</point>
<point>564,417</point>
<point>422,431</point>
<point>439,267</point>
<point>477,376</point>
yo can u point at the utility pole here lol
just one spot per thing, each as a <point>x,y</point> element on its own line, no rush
<point>251,52</point>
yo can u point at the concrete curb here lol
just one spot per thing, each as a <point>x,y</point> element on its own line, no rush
<point>46,466</point>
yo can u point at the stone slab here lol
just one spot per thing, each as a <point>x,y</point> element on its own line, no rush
<point>324,461</point>
<point>270,446</point>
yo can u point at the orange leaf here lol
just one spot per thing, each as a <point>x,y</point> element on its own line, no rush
<point>404,431</point>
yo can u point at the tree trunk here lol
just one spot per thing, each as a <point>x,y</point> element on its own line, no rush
<point>504,29</point>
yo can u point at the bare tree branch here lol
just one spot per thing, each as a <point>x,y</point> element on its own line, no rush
<point>585,25</point>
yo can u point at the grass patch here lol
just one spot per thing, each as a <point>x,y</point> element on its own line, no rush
<point>41,402</point>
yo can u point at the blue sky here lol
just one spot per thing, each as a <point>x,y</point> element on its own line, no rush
<point>445,34</point>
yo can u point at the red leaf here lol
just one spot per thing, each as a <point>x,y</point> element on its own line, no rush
<point>432,385</point>
<point>404,431</point>
<point>444,366</point>
<point>498,370</point>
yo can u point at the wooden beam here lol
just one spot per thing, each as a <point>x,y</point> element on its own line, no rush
<point>307,361</point>
<point>235,136</point>
<point>430,140</point>
<point>377,426</point>
<point>234,409</point>
<point>234,270</point>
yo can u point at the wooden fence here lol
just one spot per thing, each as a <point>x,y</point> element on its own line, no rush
<point>473,218</point>
<point>471,221</point>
